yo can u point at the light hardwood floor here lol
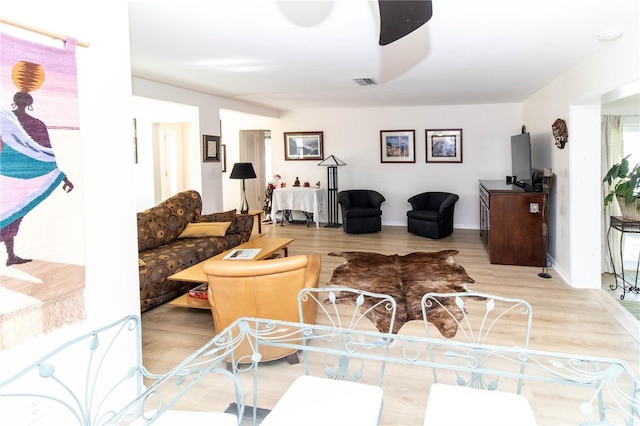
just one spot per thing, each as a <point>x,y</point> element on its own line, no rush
<point>565,319</point>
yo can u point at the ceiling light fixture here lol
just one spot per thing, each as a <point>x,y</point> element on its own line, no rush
<point>609,35</point>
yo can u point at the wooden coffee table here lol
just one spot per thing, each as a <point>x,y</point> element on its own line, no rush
<point>194,275</point>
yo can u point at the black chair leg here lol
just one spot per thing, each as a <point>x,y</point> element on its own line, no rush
<point>293,359</point>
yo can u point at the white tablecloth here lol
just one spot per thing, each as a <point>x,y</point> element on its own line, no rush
<point>310,200</point>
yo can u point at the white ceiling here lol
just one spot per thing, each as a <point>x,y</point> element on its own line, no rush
<point>305,54</point>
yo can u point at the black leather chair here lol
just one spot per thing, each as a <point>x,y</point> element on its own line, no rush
<point>361,210</point>
<point>432,214</point>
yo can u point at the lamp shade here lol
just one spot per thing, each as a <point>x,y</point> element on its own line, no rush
<point>242,171</point>
<point>332,161</point>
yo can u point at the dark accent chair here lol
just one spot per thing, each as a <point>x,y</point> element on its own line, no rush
<point>431,214</point>
<point>361,210</point>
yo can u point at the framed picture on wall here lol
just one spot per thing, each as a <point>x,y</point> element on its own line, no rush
<point>135,141</point>
<point>223,157</point>
<point>211,148</point>
<point>303,146</point>
<point>397,146</point>
<point>444,145</point>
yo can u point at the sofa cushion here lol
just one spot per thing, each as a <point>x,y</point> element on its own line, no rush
<point>228,216</point>
<point>363,212</point>
<point>161,261</point>
<point>429,215</point>
<point>166,260</point>
<point>163,223</point>
<point>205,229</point>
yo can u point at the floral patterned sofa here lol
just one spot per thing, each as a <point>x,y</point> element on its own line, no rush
<point>165,246</point>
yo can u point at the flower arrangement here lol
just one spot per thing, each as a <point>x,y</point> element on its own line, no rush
<point>273,184</point>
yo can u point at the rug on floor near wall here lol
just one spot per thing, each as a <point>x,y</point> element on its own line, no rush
<point>29,308</point>
<point>406,278</point>
<point>41,201</point>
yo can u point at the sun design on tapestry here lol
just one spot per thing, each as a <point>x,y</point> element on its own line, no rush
<point>27,76</point>
<point>43,274</point>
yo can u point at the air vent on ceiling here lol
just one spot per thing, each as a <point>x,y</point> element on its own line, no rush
<point>365,81</point>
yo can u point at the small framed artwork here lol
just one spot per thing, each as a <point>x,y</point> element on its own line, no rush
<point>397,146</point>
<point>211,148</point>
<point>135,141</point>
<point>444,145</point>
<point>303,146</point>
<point>223,157</point>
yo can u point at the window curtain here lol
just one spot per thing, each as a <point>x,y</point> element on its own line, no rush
<point>612,153</point>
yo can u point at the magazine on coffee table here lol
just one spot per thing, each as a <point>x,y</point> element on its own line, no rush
<point>242,254</point>
<point>199,292</point>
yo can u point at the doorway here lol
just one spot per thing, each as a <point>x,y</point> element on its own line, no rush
<point>252,150</point>
<point>627,111</point>
<point>168,158</point>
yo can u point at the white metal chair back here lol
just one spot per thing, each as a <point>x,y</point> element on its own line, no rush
<point>478,319</point>
<point>97,378</point>
<point>347,308</point>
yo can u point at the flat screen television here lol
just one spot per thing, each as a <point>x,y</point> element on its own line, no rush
<point>521,158</point>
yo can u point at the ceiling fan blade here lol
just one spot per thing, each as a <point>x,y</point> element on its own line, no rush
<point>401,17</point>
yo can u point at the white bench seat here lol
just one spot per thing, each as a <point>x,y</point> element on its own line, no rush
<point>315,401</point>
<point>459,405</point>
<point>191,418</point>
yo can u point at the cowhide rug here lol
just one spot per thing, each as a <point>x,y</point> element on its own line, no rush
<point>406,278</point>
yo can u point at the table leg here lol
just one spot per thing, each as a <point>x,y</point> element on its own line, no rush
<point>615,274</point>
<point>308,218</point>
<point>624,282</point>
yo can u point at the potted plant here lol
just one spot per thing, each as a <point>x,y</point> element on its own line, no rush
<point>624,185</point>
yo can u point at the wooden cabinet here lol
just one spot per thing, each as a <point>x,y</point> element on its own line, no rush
<point>511,224</point>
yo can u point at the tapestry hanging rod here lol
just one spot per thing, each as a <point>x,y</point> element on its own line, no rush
<point>40,31</point>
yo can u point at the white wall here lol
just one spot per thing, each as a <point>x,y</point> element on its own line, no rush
<point>576,199</point>
<point>104,87</point>
<point>353,135</point>
<point>232,123</point>
<point>210,181</point>
<point>147,113</point>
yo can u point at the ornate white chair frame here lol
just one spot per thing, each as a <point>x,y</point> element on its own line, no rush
<point>478,330</point>
<point>92,377</point>
<point>345,399</point>
<point>328,310</point>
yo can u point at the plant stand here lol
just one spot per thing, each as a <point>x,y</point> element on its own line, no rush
<point>625,226</point>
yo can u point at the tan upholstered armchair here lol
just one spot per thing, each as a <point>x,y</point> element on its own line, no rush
<point>262,289</point>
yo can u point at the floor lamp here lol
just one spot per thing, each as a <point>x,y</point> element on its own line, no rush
<point>243,171</point>
<point>332,163</point>
<point>547,183</point>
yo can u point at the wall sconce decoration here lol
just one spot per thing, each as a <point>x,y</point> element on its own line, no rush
<point>560,132</point>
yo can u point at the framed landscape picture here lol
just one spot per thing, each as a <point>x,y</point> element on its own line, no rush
<point>444,146</point>
<point>397,146</point>
<point>303,146</point>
